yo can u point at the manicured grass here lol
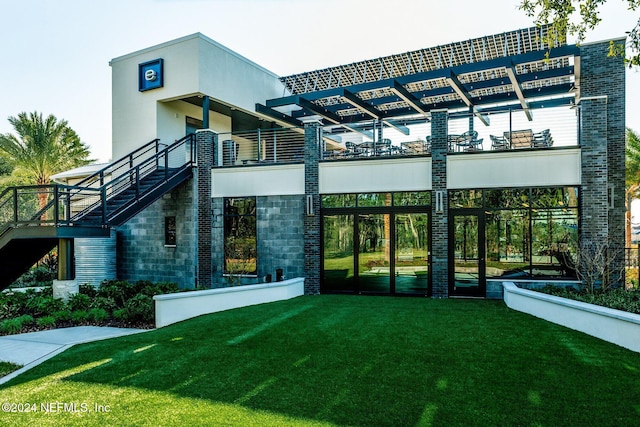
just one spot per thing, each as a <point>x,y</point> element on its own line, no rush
<point>341,360</point>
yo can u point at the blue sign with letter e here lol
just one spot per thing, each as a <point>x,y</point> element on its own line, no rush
<point>150,75</point>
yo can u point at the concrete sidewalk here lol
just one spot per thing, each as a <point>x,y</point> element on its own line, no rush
<point>33,348</point>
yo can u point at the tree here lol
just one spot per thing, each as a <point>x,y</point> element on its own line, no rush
<point>632,185</point>
<point>577,17</point>
<point>42,148</point>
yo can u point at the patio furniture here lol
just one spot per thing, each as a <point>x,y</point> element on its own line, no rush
<point>468,141</point>
<point>519,138</point>
<point>415,147</point>
<point>499,142</point>
<point>352,149</point>
<point>542,139</point>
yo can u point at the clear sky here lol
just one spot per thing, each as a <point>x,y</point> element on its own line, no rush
<point>54,54</point>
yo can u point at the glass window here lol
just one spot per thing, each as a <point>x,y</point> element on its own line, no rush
<point>240,236</point>
<point>507,243</point>
<point>507,198</point>
<point>465,199</point>
<point>554,235</point>
<point>374,199</point>
<point>339,201</point>
<point>554,197</point>
<point>170,231</point>
<point>416,198</point>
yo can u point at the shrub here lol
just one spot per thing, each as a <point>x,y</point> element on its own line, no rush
<point>37,276</point>
<point>140,308</point>
<point>88,290</point>
<point>79,316</point>
<point>46,322</point>
<point>62,316</point>
<point>617,298</point>
<point>40,305</point>
<point>116,290</point>
<point>107,304</point>
<point>120,314</point>
<point>15,325</point>
<point>79,302</point>
<point>97,314</point>
<point>11,326</point>
<point>13,304</point>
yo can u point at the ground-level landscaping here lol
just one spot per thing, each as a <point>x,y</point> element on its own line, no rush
<point>339,360</point>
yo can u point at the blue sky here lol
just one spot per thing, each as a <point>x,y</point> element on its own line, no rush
<point>54,55</point>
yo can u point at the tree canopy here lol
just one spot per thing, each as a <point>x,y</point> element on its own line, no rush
<point>42,147</point>
<point>577,17</point>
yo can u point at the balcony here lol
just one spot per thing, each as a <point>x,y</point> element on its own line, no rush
<point>508,131</point>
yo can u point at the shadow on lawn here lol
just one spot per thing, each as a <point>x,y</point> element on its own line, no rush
<point>386,362</point>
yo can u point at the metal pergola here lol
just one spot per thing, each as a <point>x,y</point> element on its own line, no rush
<point>509,71</point>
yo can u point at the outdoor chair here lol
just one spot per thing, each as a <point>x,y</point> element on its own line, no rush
<point>542,139</point>
<point>499,142</point>
<point>353,150</point>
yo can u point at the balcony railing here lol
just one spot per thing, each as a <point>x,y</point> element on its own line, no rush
<point>261,146</point>
<point>511,130</point>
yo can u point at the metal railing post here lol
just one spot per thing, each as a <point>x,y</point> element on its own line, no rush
<point>275,148</point>
<point>56,212</point>
<point>15,204</point>
<point>259,147</point>
<point>103,196</point>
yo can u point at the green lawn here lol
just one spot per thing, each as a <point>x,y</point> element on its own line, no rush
<point>340,360</point>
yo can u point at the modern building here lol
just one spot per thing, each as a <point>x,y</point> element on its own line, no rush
<point>440,172</point>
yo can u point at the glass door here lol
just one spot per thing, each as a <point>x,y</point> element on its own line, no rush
<point>466,254</point>
<point>338,255</point>
<point>411,272</point>
<point>374,253</point>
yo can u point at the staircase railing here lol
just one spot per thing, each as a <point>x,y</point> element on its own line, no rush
<point>173,158</point>
<point>57,204</point>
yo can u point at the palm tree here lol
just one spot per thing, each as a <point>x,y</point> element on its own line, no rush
<point>42,148</point>
<point>632,163</point>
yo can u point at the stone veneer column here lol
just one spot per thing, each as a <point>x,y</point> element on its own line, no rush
<point>602,138</point>
<point>206,140</point>
<point>439,220</point>
<point>312,238</point>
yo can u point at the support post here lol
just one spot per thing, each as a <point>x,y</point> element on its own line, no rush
<point>312,237</point>
<point>205,140</point>
<point>440,210</point>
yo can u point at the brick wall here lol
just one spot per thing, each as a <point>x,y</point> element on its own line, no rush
<point>602,137</point>
<point>439,220</point>
<point>206,141</point>
<point>312,237</point>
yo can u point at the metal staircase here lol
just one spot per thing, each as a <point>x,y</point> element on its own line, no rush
<point>34,218</point>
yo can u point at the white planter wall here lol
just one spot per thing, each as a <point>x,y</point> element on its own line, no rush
<point>172,308</point>
<point>615,326</point>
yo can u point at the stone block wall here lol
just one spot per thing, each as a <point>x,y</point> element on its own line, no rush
<point>280,228</point>
<point>280,238</point>
<point>141,252</point>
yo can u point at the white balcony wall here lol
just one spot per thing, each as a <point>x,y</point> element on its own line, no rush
<point>372,176</point>
<point>258,181</point>
<point>514,169</point>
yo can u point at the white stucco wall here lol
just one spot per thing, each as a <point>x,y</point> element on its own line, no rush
<point>514,168</point>
<point>258,181</point>
<point>193,65</point>
<point>371,176</point>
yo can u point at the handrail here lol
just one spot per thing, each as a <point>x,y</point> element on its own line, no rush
<point>20,205</point>
<point>129,157</point>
